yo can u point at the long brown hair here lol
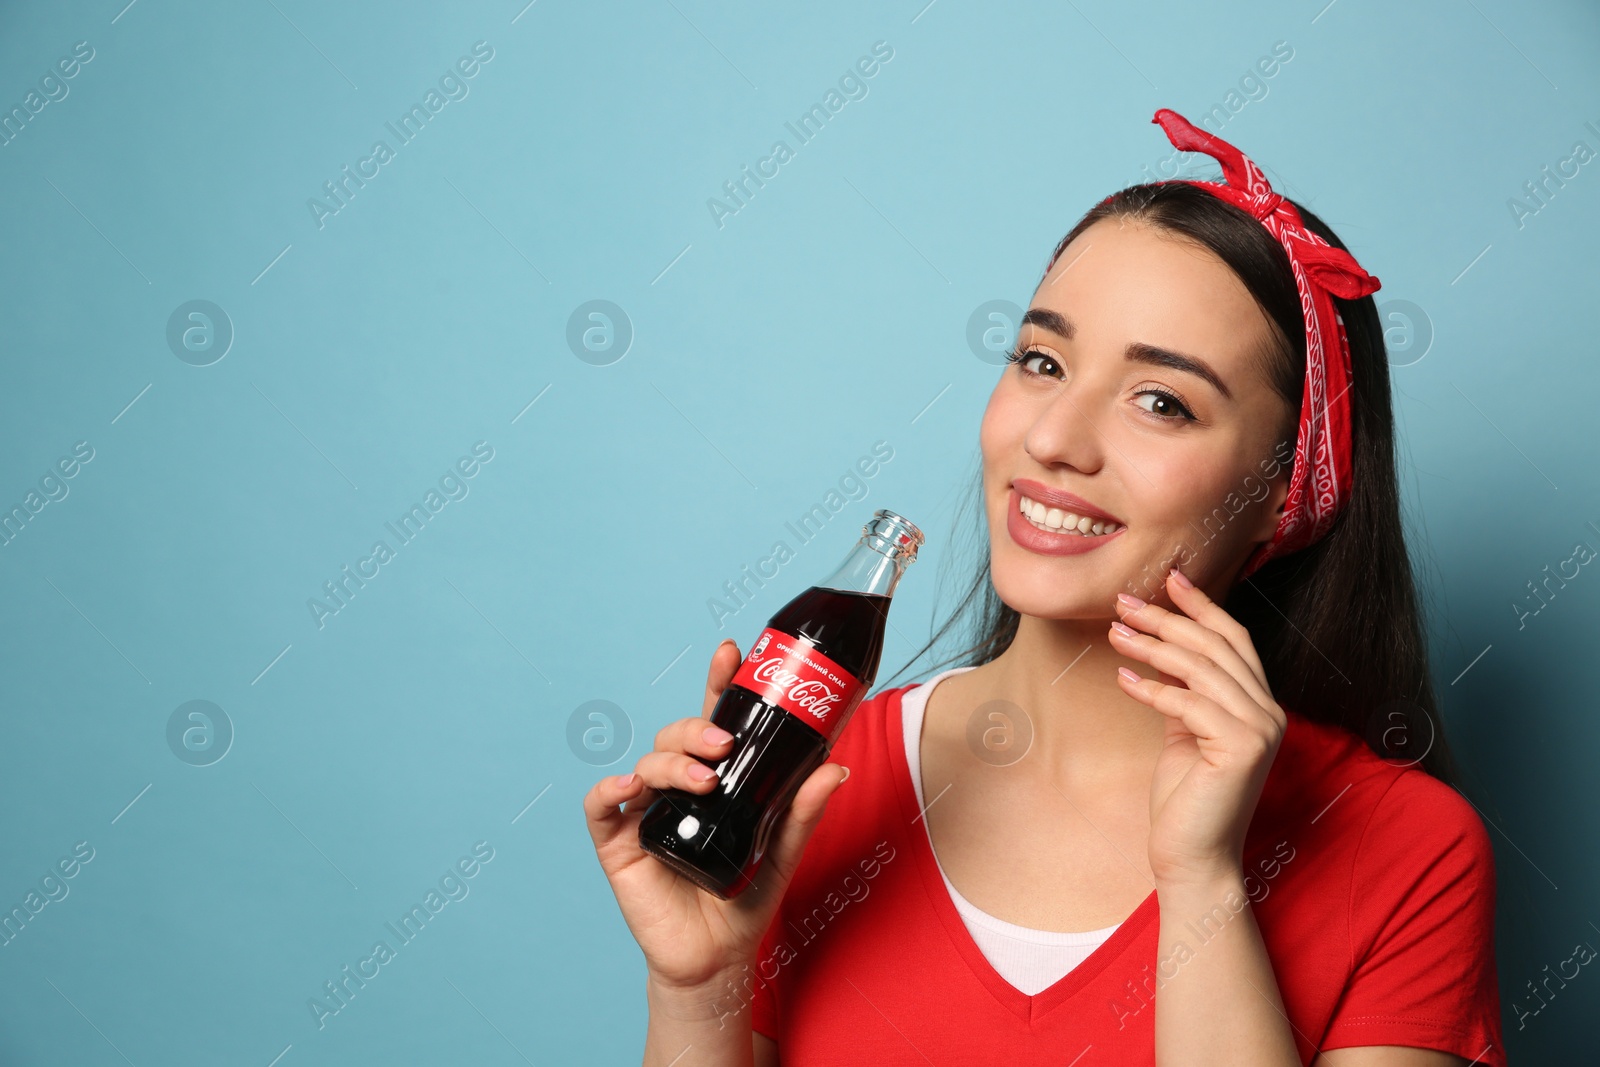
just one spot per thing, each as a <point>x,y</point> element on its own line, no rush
<point>1337,625</point>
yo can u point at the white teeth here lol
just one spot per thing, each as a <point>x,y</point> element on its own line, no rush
<point>1060,521</point>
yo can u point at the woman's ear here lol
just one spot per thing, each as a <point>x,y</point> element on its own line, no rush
<point>1271,512</point>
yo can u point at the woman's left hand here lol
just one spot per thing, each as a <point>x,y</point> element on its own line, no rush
<point>1223,730</point>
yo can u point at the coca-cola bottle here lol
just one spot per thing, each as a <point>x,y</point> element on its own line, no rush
<point>797,688</point>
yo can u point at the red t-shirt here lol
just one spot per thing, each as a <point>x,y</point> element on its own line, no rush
<point>1372,884</point>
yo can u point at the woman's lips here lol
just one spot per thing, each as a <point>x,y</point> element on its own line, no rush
<point>1047,542</point>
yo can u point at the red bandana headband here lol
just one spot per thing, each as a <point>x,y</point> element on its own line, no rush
<point>1319,485</point>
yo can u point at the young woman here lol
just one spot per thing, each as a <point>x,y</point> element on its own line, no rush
<point>1186,801</point>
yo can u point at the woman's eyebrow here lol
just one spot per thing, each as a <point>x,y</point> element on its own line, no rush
<point>1137,351</point>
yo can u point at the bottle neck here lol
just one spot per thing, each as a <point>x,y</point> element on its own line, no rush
<point>874,566</point>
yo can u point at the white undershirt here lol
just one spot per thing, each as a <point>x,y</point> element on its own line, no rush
<point>1029,959</point>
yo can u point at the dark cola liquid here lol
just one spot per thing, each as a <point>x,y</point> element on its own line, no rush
<point>772,753</point>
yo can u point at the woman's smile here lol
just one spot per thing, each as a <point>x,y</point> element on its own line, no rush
<point>1052,537</point>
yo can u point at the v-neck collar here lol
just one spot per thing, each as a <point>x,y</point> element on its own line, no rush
<point>1029,1009</point>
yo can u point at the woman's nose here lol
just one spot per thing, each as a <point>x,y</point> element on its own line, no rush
<point>1068,431</point>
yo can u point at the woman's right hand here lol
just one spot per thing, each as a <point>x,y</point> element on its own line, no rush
<point>689,936</point>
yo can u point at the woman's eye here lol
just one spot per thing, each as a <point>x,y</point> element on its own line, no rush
<point>1034,362</point>
<point>1165,405</point>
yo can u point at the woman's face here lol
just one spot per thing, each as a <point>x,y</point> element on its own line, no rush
<point>1113,403</point>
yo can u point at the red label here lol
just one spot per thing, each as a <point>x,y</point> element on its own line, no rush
<point>790,672</point>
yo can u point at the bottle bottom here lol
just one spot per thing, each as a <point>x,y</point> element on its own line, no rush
<point>706,847</point>
<point>718,840</point>
<point>720,890</point>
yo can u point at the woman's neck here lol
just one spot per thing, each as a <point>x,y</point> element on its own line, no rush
<point>1062,673</point>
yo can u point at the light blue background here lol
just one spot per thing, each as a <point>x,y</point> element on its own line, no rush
<point>768,355</point>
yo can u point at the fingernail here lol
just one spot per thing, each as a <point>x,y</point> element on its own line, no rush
<point>725,641</point>
<point>700,772</point>
<point>1182,579</point>
<point>1133,602</point>
<point>1125,631</point>
<point>626,780</point>
<point>844,776</point>
<point>716,735</point>
<point>1129,675</point>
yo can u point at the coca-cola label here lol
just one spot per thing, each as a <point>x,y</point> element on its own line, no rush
<point>790,672</point>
